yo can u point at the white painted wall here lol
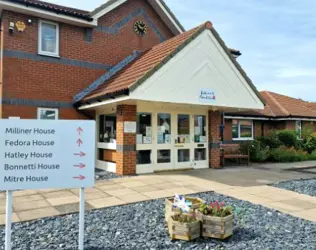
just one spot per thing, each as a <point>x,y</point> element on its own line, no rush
<point>201,64</point>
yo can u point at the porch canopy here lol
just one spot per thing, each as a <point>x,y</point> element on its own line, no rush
<point>193,68</point>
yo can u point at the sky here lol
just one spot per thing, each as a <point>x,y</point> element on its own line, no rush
<point>277,38</point>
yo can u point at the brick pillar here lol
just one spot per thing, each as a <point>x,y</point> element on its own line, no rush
<point>214,123</point>
<point>125,142</point>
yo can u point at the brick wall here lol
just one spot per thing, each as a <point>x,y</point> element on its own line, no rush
<point>126,143</point>
<point>215,120</point>
<point>29,76</point>
<point>309,125</point>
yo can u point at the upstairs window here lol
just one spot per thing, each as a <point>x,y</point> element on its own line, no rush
<point>47,114</point>
<point>48,40</point>
<point>242,130</point>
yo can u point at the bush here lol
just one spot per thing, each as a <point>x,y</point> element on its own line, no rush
<point>289,138</point>
<point>271,140</point>
<point>309,143</point>
<point>312,156</point>
<point>284,154</point>
<point>256,151</point>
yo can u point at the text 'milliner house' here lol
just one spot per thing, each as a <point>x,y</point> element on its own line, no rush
<point>157,93</point>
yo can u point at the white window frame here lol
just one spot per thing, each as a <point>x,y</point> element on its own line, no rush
<point>47,109</point>
<point>298,125</point>
<point>242,138</point>
<point>40,51</point>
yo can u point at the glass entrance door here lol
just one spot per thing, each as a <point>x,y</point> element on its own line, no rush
<point>183,142</point>
<point>200,144</point>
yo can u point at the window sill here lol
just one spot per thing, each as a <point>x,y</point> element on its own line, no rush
<point>243,139</point>
<point>48,54</point>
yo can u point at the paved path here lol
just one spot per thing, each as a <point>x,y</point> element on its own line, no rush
<point>29,205</point>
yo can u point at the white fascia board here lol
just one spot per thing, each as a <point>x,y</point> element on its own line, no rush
<point>169,16</point>
<point>45,14</point>
<point>246,118</point>
<point>98,104</point>
<point>294,119</point>
<point>108,8</point>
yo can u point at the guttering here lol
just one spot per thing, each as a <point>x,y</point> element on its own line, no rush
<point>270,118</point>
<point>59,17</point>
<point>104,102</point>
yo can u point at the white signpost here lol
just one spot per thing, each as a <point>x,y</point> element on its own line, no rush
<point>39,154</point>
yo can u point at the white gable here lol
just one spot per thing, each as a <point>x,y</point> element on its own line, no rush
<point>201,67</point>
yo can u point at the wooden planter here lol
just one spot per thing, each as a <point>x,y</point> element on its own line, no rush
<point>216,227</point>
<point>184,231</point>
<point>170,210</point>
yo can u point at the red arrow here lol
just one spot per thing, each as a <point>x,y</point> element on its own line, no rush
<point>79,130</point>
<point>79,142</point>
<point>80,177</point>
<point>80,165</point>
<point>81,154</point>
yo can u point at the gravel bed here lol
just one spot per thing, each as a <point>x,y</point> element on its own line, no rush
<point>105,175</point>
<point>300,186</point>
<point>142,226</point>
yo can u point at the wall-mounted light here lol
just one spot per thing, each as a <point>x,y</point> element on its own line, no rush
<point>11,27</point>
<point>29,21</point>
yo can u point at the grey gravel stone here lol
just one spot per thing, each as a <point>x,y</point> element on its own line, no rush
<point>105,175</point>
<point>300,186</point>
<point>142,226</point>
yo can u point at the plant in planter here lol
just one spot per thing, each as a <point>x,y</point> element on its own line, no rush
<point>217,220</point>
<point>184,227</point>
<point>171,209</point>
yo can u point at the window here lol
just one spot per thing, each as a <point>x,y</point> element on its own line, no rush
<point>164,156</point>
<point>183,155</point>
<point>47,114</point>
<point>144,129</point>
<point>200,154</point>
<point>242,129</point>
<point>298,128</point>
<point>183,129</point>
<point>199,129</point>
<point>164,128</point>
<point>48,38</point>
<point>143,157</point>
<point>107,128</point>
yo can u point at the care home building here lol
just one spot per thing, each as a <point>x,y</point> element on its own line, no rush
<point>157,92</point>
<point>280,112</point>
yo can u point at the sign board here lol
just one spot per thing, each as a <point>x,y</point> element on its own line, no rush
<point>207,96</point>
<point>129,127</point>
<point>39,154</point>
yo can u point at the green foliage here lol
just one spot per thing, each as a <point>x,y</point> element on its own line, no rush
<point>312,156</point>
<point>306,132</point>
<point>256,151</point>
<point>215,209</point>
<point>284,154</point>
<point>289,138</point>
<point>184,218</point>
<point>309,143</point>
<point>271,140</point>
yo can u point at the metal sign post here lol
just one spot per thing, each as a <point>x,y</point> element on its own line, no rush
<point>37,154</point>
<point>81,219</point>
<point>8,221</point>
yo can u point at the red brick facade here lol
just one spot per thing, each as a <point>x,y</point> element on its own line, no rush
<point>41,80</point>
<point>126,142</point>
<point>215,121</point>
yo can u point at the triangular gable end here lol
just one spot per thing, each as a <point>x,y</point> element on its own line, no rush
<point>202,73</point>
<point>158,5</point>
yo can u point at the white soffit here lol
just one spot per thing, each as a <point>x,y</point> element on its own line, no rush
<point>202,64</point>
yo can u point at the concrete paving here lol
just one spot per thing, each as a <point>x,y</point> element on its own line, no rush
<point>245,183</point>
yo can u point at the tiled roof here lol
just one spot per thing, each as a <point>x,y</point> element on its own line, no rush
<point>55,8</point>
<point>281,106</point>
<point>150,61</point>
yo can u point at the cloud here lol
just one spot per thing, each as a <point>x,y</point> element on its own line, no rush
<point>296,72</point>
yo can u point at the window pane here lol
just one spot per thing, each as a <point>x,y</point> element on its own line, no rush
<point>48,114</point>
<point>200,154</point>
<point>245,129</point>
<point>49,37</point>
<point>164,129</point>
<point>235,131</point>
<point>107,128</point>
<point>143,157</point>
<point>199,129</point>
<point>144,129</point>
<point>183,129</point>
<point>164,156</point>
<point>183,155</point>
<point>299,128</point>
